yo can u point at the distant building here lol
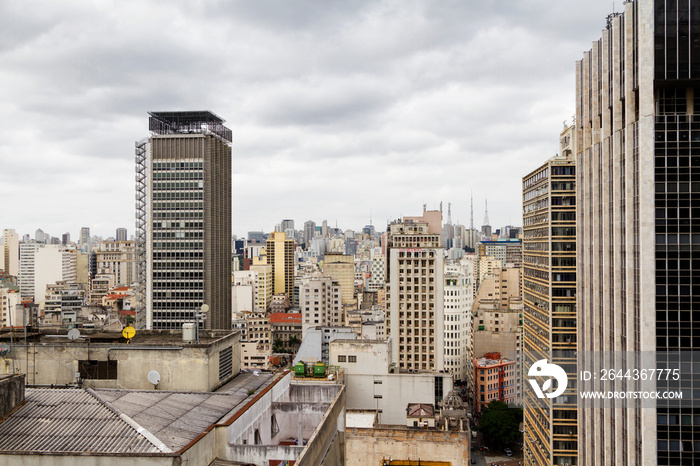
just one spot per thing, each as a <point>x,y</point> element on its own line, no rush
<point>320,303</point>
<point>341,268</point>
<point>42,264</point>
<point>121,234</point>
<point>280,254</point>
<point>10,252</point>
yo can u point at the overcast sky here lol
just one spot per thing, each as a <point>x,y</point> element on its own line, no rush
<point>337,108</point>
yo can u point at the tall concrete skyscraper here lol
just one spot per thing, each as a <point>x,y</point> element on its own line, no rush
<point>309,232</point>
<point>183,224</point>
<point>638,215</point>
<point>415,322</point>
<point>549,295</point>
<point>10,252</point>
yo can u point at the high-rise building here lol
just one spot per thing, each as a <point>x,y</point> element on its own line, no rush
<point>65,239</point>
<point>44,264</point>
<point>341,267</point>
<point>287,224</point>
<point>458,301</point>
<point>415,322</point>
<point>280,254</point>
<point>10,249</point>
<point>184,220</point>
<point>84,235</point>
<point>319,300</point>
<point>638,221</point>
<point>309,232</point>
<point>549,292</point>
<point>121,234</point>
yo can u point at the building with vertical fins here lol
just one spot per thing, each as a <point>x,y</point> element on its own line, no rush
<point>549,297</point>
<point>638,220</point>
<point>183,221</point>
<point>280,254</point>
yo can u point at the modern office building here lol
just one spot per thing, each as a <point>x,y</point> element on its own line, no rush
<point>415,322</point>
<point>549,295</point>
<point>184,220</point>
<point>638,220</point>
<point>280,254</point>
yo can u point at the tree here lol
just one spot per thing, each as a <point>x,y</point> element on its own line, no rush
<point>277,346</point>
<point>294,340</point>
<point>500,424</point>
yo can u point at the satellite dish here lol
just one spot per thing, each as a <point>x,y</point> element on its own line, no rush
<point>256,373</point>
<point>129,332</point>
<point>205,308</point>
<point>154,378</point>
<point>4,349</point>
<point>73,334</point>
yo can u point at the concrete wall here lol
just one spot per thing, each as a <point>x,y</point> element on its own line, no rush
<point>11,393</point>
<point>371,446</point>
<point>391,393</point>
<point>372,356</point>
<point>322,445</point>
<point>185,367</point>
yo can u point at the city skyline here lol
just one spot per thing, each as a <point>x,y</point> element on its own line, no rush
<point>335,113</point>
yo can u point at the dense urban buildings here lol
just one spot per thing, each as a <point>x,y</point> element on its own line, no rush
<point>637,166</point>
<point>184,220</point>
<point>549,295</point>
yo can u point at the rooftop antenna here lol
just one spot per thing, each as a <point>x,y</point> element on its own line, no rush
<point>154,378</point>
<point>471,219</point>
<point>486,213</point>
<point>73,334</point>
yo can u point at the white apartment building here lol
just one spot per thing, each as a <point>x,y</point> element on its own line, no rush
<point>8,301</point>
<point>320,303</point>
<point>43,264</point>
<point>458,301</point>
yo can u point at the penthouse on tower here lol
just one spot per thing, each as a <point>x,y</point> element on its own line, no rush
<point>183,221</point>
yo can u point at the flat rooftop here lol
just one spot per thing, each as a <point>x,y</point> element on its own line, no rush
<point>142,337</point>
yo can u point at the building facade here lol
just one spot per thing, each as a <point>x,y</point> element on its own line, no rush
<point>184,221</point>
<point>280,254</point>
<point>637,166</point>
<point>415,321</point>
<point>549,292</point>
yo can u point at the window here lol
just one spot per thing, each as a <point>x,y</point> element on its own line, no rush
<point>97,370</point>
<point>342,358</point>
<point>352,358</point>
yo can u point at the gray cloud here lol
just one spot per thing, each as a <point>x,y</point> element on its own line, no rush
<point>337,108</point>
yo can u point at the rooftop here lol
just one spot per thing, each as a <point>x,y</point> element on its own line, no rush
<point>142,337</point>
<point>202,121</point>
<point>105,421</point>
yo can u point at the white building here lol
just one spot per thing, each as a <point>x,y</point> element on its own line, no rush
<point>244,290</point>
<point>320,303</point>
<point>43,264</point>
<point>9,299</point>
<point>458,301</point>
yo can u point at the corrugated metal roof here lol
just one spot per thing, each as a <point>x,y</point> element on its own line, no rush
<point>69,420</point>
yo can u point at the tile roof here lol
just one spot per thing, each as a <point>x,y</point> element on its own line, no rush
<point>420,410</point>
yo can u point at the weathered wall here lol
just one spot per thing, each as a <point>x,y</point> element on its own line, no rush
<point>11,393</point>
<point>321,442</point>
<point>370,446</point>
<point>86,460</point>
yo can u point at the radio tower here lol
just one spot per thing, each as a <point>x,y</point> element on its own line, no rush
<point>486,213</point>
<point>471,219</point>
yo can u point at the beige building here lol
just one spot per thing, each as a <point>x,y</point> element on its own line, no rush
<point>280,255</point>
<point>9,299</point>
<point>549,290</point>
<point>106,360</point>
<point>415,321</point>
<point>10,252</point>
<point>320,303</point>
<point>263,295</point>
<point>341,268</point>
<point>117,258</point>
